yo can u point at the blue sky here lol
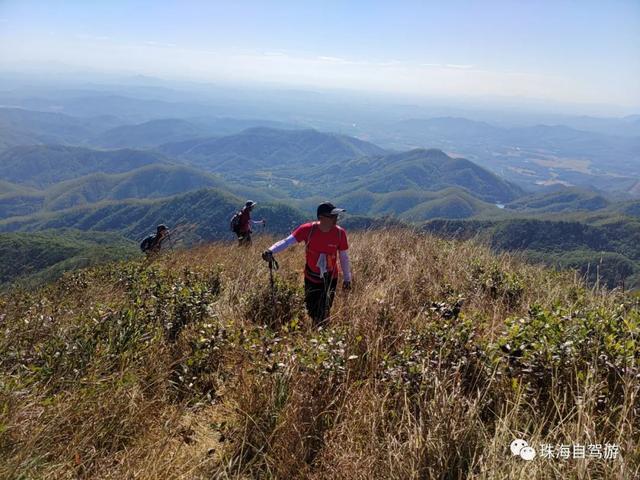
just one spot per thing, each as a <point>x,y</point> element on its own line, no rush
<point>572,51</point>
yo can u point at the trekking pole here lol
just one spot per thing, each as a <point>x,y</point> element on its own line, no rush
<point>273,265</point>
<point>327,293</point>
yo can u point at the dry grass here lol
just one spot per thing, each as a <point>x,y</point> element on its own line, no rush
<point>441,355</point>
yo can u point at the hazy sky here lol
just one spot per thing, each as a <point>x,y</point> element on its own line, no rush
<point>573,51</point>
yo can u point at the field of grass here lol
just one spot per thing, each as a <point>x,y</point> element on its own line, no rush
<point>441,356</point>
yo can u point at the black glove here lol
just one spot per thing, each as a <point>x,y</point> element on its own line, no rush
<point>267,256</point>
<point>346,285</point>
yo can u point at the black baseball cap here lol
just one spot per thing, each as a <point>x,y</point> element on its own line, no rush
<point>250,203</point>
<point>328,209</point>
<point>162,227</point>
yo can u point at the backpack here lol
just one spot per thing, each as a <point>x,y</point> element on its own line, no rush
<point>234,224</point>
<point>147,243</point>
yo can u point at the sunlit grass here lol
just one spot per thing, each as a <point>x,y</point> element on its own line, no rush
<point>441,355</point>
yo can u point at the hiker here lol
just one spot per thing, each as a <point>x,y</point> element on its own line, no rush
<point>152,244</point>
<point>324,242</point>
<point>241,223</point>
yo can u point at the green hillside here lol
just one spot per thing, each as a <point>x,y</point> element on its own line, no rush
<point>19,204</point>
<point>272,149</point>
<point>600,248</point>
<point>421,169</point>
<point>415,205</point>
<point>32,259</point>
<point>12,188</point>
<point>404,173</point>
<point>560,200</point>
<point>152,181</point>
<point>631,208</point>
<point>27,127</point>
<point>149,134</point>
<point>17,200</point>
<point>43,165</point>
<point>205,212</point>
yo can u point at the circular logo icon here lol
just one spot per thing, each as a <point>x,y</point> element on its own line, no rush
<point>517,445</point>
<point>527,453</point>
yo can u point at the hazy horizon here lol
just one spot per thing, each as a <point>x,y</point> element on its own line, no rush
<point>551,52</point>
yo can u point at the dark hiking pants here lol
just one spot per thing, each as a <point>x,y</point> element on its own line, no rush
<point>318,298</point>
<point>244,239</point>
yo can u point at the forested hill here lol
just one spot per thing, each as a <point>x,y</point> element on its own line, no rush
<point>33,259</point>
<point>43,165</point>
<point>207,211</point>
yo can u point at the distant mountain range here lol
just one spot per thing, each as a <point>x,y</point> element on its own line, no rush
<point>20,127</point>
<point>531,156</point>
<point>586,152</point>
<point>262,163</point>
<point>271,164</point>
<point>148,134</point>
<point>271,149</point>
<point>126,170</point>
<point>628,126</point>
<point>176,131</point>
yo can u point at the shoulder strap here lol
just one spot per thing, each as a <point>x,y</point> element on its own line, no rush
<point>313,226</point>
<point>306,245</point>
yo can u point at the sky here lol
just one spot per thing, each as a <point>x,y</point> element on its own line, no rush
<point>569,51</point>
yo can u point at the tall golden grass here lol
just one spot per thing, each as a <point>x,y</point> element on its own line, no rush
<point>440,356</point>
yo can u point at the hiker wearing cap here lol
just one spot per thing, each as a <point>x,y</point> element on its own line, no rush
<point>325,242</point>
<point>153,243</point>
<point>241,223</point>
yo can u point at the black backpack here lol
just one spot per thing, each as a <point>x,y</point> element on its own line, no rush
<point>234,223</point>
<point>148,242</point>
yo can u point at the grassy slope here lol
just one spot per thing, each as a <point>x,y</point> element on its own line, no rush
<point>440,357</point>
